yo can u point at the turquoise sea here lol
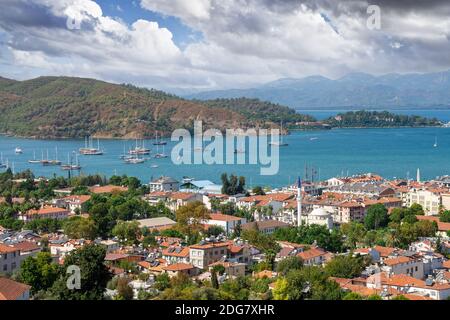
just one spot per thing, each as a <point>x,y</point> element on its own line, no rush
<point>389,152</point>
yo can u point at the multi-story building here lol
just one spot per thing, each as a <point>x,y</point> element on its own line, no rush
<point>44,213</point>
<point>164,184</point>
<point>203,254</point>
<point>9,258</point>
<point>429,200</point>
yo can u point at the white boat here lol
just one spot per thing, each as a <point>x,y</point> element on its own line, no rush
<point>159,155</point>
<point>34,158</point>
<point>159,142</point>
<point>135,161</point>
<point>154,166</point>
<point>139,150</point>
<point>89,149</point>
<point>435,143</point>
<point>279,143</point>
<point>313,138</point>
<point>18,150</point>
<point>2,164</point>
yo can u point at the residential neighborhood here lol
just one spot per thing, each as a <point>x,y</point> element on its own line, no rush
<point>362,237</point>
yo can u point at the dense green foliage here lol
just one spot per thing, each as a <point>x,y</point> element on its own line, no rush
<point>378,119</point>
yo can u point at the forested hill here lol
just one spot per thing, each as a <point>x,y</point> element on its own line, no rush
<point>354,119</point>
<point>63,107</point>
<point>256,109</point>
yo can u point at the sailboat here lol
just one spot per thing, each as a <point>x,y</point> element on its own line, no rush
<point>435,143</point>
<point>34,158</point>
<point>18,150</point>
<point>2,164</point>
<point>280,143</point>
<point>160,142</point>
<point>89,149</point>
<point>134,160</point>
<point>160,155</point>
<point>140,150</point>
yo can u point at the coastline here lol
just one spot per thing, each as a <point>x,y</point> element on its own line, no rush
<point>102,137</point>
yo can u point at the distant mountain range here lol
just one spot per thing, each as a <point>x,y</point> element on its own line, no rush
<point>353,91</point>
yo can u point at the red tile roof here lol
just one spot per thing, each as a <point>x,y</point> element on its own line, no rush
<point>46,210</point>
<point>311,253</point>
<point>108,189</point>
<point>171,253</point>
<point>7,249</point>
<point>179,267</point>
<point>223,217</point>
<point>12,290</point>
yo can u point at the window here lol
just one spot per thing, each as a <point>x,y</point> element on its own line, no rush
<point>417,268</point>
<point>5,267</point>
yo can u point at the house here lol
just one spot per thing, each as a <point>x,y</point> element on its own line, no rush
<point>110,245</point>
<point>409,285</point>
<point>27,249</point>
<point>314,256</point>
<point>190,185</point>
<point>179,199</point>
<point>227,222</point>
<point>428,199</point>
<point>203,254</point>
<point>176,254</point>
<point>160,223</point>
<point>152,266</point>
<point>275,201</point>
<point>9,258</point>
<point>265,226</point>
<point>232,269</point>
<point>45,212</point>
<point>13,290</point>
<point>443,227</point>
<point>108,189</point>
<point>75,203</point>
<point>186,268</point>
<point>404,265</point>
<point>164,184</point>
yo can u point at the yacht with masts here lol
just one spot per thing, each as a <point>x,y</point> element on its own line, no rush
<point>280,143</point>
<point>140,150</point>
<point>34,160</point>
<point>89,149</point>
<point>2,164</point>
<point>70,166</point>
<point>159,155</point>
<point>53,162</point>
<point>159,142</point>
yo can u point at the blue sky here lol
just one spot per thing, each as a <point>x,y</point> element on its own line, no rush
<point>130,11</point>
<point>199,45</point>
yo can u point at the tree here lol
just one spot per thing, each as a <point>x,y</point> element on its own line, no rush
<point>416,209</point>
<point>124,290</point>
<point>307,283</point>
<point>376,217</point>
<point>445,216</point>
<point>214,280</point>
<point>80,228</point>
<point>354,233</point>
<point>353,296</point>
<point>258,190</point>
<point>127,231</point>
<point>39,272</point>
<point>190,218</point>
<point>93,272</point>
<point>288,264</point>
<point>345,266</point>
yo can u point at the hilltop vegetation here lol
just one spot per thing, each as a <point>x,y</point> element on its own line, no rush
<point>256,109</point>
<point>63,107</point>
<point>378,119</point>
